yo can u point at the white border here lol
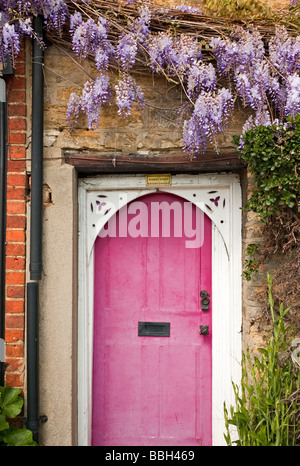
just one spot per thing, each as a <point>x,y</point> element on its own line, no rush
<point>226,282</point>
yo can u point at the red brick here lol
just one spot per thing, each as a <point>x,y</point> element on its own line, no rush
<point>14,335</point>
<point>14,350</point>
<point>16,138</point>
<point>16,96</point>
<point>14,166</point>
<point>16,123</point>
<point>21,54</point>
<point>15,207</point>
<point>16,224</point>
<point>15,263</point>
<point>19,68</point>
<point>15,291</point>
<point>15,236</point>
<point>14,365</point>
<point>16,152</point>
<point>15,307</point>
<point>16,83</point>
<point>17,249</point>
<point>16,221</point>
<point>15,321</point>
<point>16,193</point>
<point>14,379</point>
<point>16,110</point>
<point>15,278</point>
<point>16,180</point>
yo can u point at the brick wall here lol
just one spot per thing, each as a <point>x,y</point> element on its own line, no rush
<point>16,226</point>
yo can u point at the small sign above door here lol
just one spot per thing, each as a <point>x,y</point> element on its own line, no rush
<point>159,180</point>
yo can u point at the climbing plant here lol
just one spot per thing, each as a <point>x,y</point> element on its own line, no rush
<point>273,158</point>
<point>260,63</point>
<point>272,155</point>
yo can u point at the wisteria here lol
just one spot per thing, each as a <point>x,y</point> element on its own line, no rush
<point>201,76</point>
<point>128,93</point>
<point>267,84</point>
<point>126,51</point>
<point>265,76</point>
<point>208,119</point>
<point>189,9</point>
<point>94,96</point>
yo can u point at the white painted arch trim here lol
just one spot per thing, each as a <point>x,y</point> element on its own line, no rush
<point>220,198</point>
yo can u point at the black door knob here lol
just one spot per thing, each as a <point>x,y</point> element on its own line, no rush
<point>204,330</point>
<point>205,300</point>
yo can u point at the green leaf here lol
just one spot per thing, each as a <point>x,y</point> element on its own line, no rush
<point>19,437</point>
<point>263,351</point>
<point>3,423</point>
<point>10,402</point>
<point>260,436</point>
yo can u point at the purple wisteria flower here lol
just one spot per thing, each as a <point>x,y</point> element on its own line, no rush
<point>176,55</point>
<point>141,25</point>
<point>293,95</point>
<point>266,77</point>
<point>261,80</point>
<point>209,117</point>
<point>128,93</point>
<point>189,9</point>
<point>88,37</point>
<point>284,52</point>
<point>25,26</point>
<point>201,77</point>
<point>95,95</point>
<point>73,111</point>
<point>9,41</point>
<point>161,52</point>
<point>126,51</point>
<point>56,13</point>
<point>187,51</point>
<point>240,52</point>
<point>130,43</point>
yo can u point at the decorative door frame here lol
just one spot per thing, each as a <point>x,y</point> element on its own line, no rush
<point>219,196</point>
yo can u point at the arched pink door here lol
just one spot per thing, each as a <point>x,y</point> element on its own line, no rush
<point>151,366</point>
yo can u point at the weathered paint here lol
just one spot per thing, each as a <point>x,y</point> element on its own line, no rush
<point>152,390</point>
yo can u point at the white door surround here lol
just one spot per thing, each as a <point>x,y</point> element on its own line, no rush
<point>219,196</point>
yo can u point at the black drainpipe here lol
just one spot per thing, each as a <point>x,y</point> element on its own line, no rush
<point>37,153</point>
<point>7,71</point>
<point>35,267</point>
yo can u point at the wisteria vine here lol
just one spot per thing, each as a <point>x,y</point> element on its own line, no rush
<point>264,76</point>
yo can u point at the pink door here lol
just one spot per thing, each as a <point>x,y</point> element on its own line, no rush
<point>152,367</point>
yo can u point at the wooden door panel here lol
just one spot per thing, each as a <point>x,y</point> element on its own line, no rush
<point>150,390</point>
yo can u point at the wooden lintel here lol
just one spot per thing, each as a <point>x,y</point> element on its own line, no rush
<point>88,162</point>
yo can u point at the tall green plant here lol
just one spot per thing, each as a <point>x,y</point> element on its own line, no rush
<point>267,410</point>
